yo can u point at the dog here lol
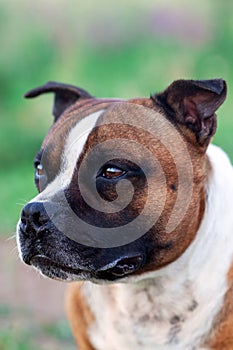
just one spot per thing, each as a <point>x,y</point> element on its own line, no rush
<point>135,208</point>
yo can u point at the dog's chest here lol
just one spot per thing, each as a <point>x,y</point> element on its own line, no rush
<point>140,320</point>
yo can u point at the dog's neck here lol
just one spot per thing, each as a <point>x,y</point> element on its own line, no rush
<point>177,301</point>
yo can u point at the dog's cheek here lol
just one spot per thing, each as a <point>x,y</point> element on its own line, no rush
<point>168,247</point>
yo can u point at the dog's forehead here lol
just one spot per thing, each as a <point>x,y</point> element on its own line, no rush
<point>86,108</point>
<point>109,112</point>
<point>56,140</point>
<point>128,125</point>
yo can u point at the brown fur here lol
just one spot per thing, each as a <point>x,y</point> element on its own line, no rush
<point>79,315</point>
<point>186,231</point>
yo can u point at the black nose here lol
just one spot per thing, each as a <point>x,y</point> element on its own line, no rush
<point>33,218</point>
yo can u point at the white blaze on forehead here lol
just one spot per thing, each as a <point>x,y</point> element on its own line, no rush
<point>73,148</point>
<point>75,143</point>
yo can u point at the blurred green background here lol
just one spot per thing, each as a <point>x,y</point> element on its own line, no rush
<point>110,48</point>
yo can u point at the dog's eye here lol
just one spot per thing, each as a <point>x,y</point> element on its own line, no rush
<point>40,176</point>
<point>39,170</point>
<point>112,172</point>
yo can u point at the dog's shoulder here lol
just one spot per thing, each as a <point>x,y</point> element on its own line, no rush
<point>79,315</point>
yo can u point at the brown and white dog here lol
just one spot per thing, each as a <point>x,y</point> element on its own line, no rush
<point>136,206</point>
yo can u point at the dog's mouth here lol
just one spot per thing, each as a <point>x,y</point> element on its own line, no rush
<point>120,268</point>
<point>117,269</point>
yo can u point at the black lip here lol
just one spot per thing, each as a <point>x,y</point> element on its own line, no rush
<point>53,269</point>
<point>123,267</point>
<point>40,260</point>
<point>120,268</point>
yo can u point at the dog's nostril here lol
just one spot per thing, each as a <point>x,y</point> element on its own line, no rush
<point>23,218</point>
<point>33,217</point>
<point>36,219</point>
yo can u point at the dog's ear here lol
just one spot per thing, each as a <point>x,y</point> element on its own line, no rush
<point>193,103</point>
<point>65,95</point>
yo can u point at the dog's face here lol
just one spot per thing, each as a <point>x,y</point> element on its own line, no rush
<point>121,183</point>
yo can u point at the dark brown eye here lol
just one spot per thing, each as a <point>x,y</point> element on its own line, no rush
<point>112,172</point>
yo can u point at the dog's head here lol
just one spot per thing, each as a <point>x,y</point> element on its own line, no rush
<point>121,183</point>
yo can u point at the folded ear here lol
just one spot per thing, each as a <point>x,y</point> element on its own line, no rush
<point>65,95</point>
<point>193,103</point>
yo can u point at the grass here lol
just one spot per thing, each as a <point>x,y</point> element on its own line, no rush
<point>18,331</point>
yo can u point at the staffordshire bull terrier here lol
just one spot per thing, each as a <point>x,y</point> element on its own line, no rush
<point>135,207</point>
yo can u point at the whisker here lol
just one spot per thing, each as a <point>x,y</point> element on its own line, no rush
<point>14,252</point>
<point>11,237</point>
<point>21,203</point>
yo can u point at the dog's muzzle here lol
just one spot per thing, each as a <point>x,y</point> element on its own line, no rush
<point>35,223</point>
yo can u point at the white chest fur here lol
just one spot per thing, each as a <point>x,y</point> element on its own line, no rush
<point>173,308</point>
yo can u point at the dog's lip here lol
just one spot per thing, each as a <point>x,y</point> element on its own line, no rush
<point>121,267</point>
<point>118,268</point>
<point>40,261</point>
